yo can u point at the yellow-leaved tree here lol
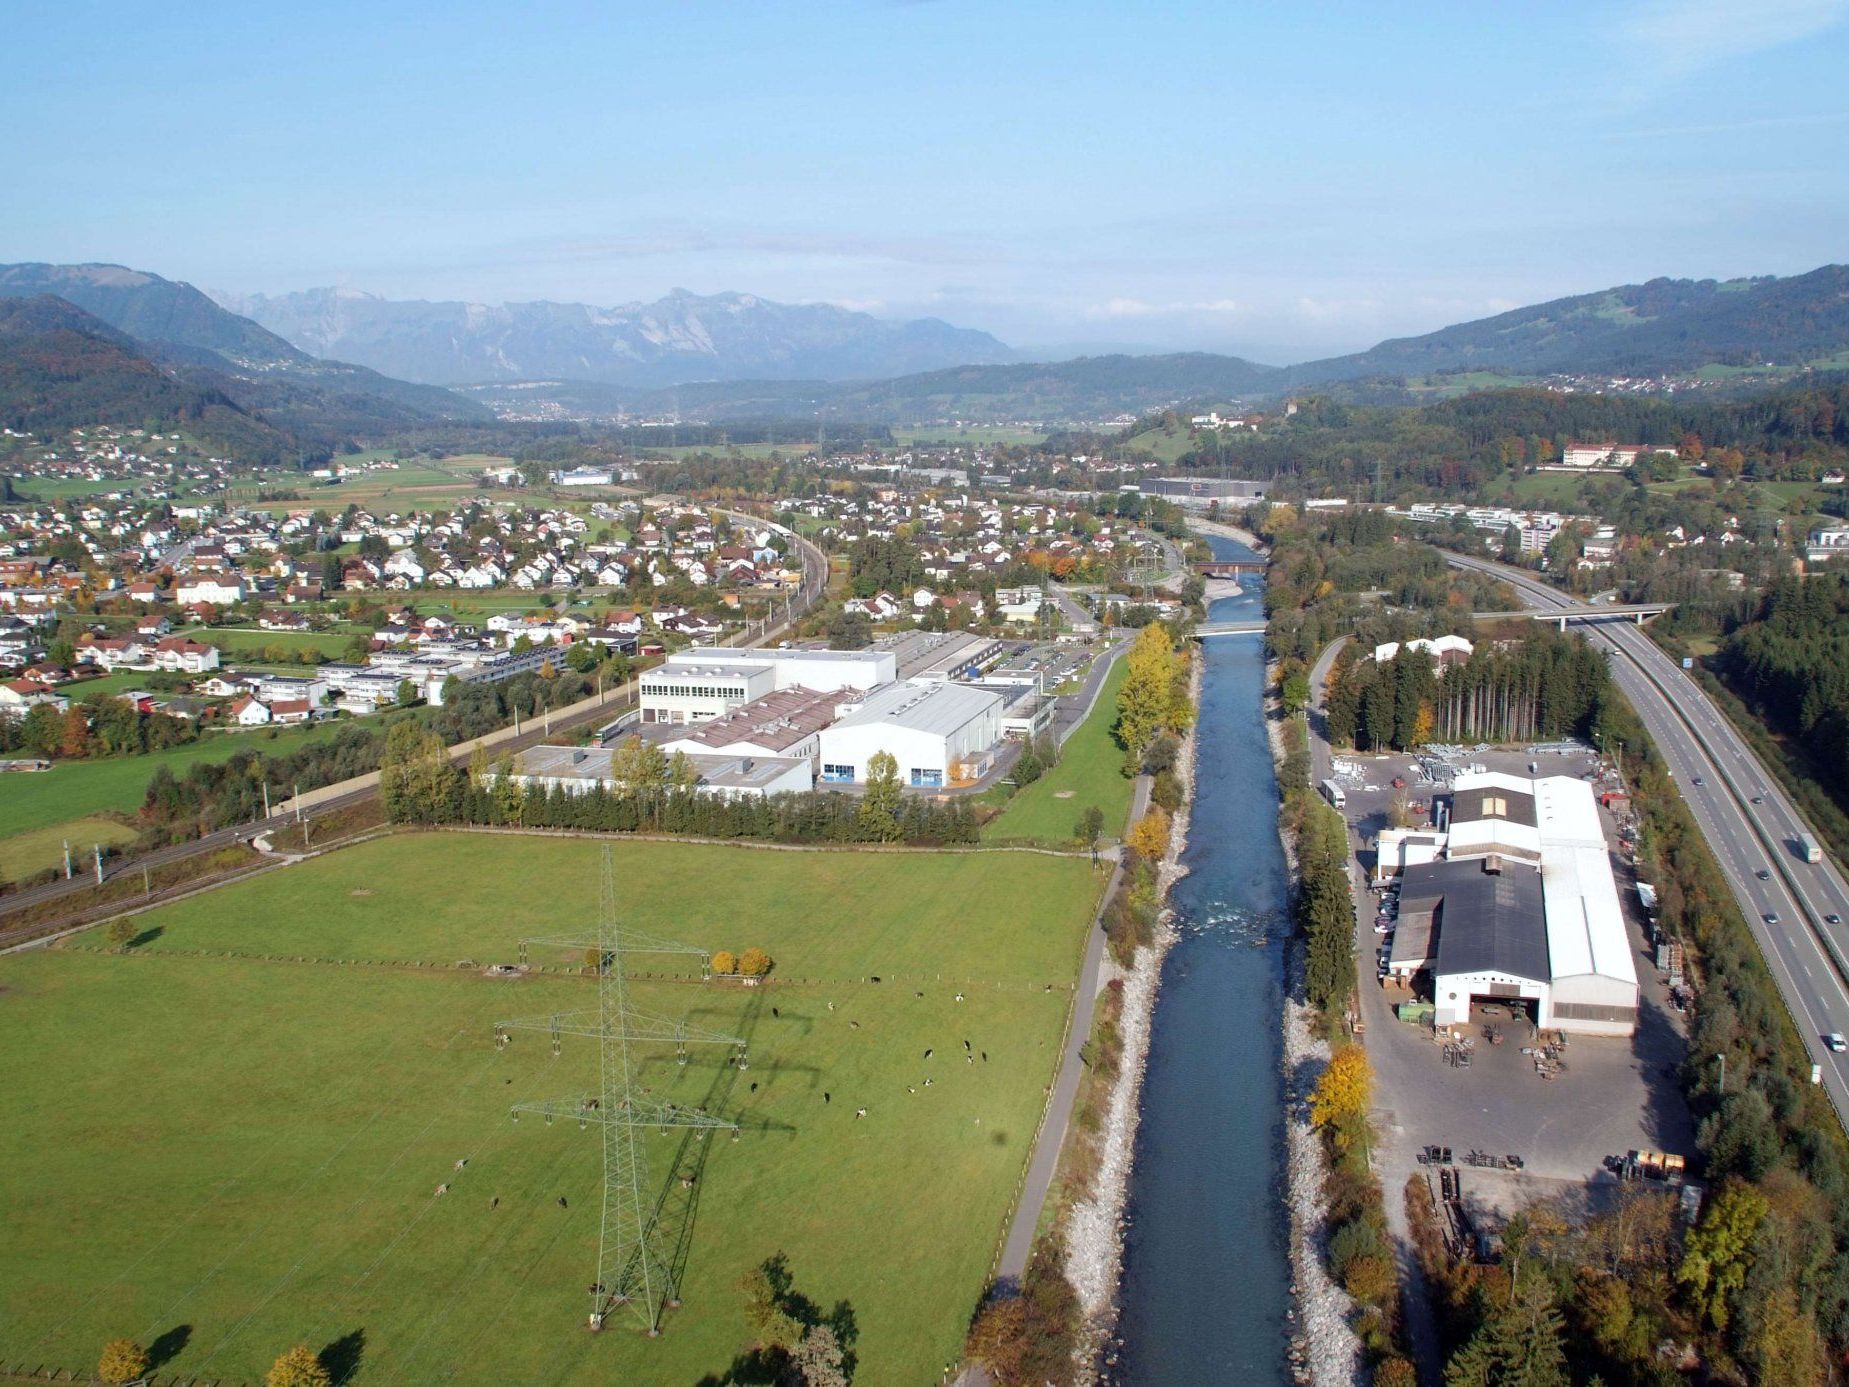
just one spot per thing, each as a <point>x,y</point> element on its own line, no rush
<point>299,1367</point>
<point>1148,836</point>
<point>725,962</point>
<point>1340,1103</point>
<point>123,1360</point>
<point>754,963</point>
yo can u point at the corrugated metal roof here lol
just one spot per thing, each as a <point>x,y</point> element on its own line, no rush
<point>940,709</point>
<point>1489,922</point>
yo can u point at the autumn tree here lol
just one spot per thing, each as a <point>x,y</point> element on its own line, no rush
<point>123,1360</point>
<point>725,962</point>
<point>1145,701</point>
<point>819,1358</point>
<point>1719,1250</point>
<point>878,818</point>
<point>766,1316</point>
<point>1340,1102</point>
<point>1149,836</point>
<point>754,962</point>
<point>298,1368</point>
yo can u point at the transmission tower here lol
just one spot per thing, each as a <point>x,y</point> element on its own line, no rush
<point>630,1271</point>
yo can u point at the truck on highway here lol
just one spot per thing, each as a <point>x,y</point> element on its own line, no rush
<point>1808,848</point>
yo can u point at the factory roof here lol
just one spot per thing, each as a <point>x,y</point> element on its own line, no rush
<point>935,708</point>
<point>1489,916</point>
<point>777,720</point>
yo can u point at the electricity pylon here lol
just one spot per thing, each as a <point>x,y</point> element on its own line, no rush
<point>629,1269</point>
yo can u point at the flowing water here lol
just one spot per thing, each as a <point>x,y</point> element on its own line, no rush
<point>1205,1291</point>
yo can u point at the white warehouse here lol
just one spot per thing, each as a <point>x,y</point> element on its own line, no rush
<point>940,734</point>
<point>711,681</point>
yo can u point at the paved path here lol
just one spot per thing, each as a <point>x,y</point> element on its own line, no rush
<point>1058,1116</point>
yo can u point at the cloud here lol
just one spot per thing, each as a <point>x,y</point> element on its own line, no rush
<point>1142,308</point>
<point>1680,37</point>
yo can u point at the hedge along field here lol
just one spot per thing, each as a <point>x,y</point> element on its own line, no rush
<point>255,1156</point>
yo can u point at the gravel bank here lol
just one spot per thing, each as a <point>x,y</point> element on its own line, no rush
<point>1324,1349</point>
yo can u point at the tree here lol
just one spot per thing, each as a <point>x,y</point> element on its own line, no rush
<point>1090,828</point>
<point>878,818</point>
<point>75,741</point>
<point>1784,1345</point>
<point>765,1314</point>
<point>725,962</point>
<point>123,1360</point>
<point>754,962</point>
<point>1719,1250</point>
<point>682,774</point>
<point>638,765</point>
<point>298,1368</point>
<point>1149,836</point>
<point>1145,702</point>
<point>1518,1345</point>
<point>120,931</point>
<point>1340,1101</point>
<point>1296,693</point>
<point>819,1359</point>
<point>850,631</point>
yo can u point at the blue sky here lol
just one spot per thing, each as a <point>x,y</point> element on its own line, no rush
<point>1283,180</point>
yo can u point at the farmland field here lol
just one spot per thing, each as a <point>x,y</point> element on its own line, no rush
<point>26,853</point>
<point>76,789</point>
<point>254,1161</point>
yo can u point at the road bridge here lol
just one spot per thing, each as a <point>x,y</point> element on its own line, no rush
<point>1635,611</point>
<point>1229,568</point>
<point>1209,629</point>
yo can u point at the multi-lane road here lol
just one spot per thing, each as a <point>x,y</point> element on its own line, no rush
<point>1796,908</point>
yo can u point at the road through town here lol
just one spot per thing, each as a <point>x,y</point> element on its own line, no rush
<point>1795,908</point>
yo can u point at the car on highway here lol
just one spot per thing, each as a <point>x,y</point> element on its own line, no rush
<point>1763,874</point>
<point>1770,917</point>
<point>1832,918</point>
<point>1700,781</point>
<point>1759,799</point>
<point>1834,1041</point>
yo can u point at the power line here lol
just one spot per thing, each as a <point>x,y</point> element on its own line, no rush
<point>630,1270</point>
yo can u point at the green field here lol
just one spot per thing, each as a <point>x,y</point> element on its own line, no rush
<point>77,789</point>
<point>1566,489</point>
<point>1090,771</point>
<point>248,642</point>
<point>1168,445</point>
<point>25,853</point>
<point>255,1157</point>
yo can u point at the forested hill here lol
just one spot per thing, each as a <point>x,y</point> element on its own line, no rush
<point>62,368</point>
<point>174,323</point>
<point>1458,445</point>
<point>1666,325</point>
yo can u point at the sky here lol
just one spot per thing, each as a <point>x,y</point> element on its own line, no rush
<point>1282,181</point>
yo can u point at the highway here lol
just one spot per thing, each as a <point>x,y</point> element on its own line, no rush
<point>343,794</point>
<point>1750,825</point>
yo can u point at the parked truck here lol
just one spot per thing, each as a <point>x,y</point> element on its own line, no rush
<point>1334,794</point>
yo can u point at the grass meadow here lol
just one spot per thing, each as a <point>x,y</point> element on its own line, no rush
<point>1089,772</point>
<point>230,1154</point>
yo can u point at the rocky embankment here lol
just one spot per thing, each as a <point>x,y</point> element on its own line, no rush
<point>1324,1349</point>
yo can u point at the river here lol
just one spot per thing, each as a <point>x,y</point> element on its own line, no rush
<point>1205,1293</point>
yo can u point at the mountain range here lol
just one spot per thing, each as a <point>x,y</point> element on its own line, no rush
<point>207,348</point>
<point>736,358</point>
<point>681,337</point>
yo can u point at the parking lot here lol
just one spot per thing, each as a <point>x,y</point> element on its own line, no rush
<point>1604,1097</point>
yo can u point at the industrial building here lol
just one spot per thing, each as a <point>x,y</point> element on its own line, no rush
<point>578,770</point>
<point>710,681</point>
<point>787,723</point>
<point>1521,908</point>
<point>940,734</point>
